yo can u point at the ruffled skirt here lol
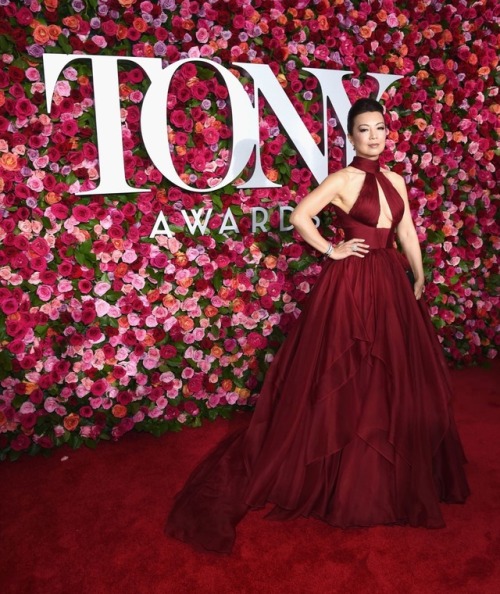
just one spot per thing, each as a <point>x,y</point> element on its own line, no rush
<point>353,425</point>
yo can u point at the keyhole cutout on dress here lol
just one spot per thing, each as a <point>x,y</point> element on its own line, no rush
<point>385,215</point>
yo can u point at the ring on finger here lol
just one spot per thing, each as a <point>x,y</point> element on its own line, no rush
<point>354,247</point>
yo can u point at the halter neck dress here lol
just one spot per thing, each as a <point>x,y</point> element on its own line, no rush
<point>354,424</point>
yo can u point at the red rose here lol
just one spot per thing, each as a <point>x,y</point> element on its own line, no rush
<point>20,442</point>
<point>82,213</point>
<point>99,387</point>
<point>168,351</point>
<point>9,306</point>
<point>94,333</point>
<point>256,341</point>
<point>40,246</point>
<point>24,17</point>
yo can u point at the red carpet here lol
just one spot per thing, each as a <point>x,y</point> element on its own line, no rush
<point>92,523</point>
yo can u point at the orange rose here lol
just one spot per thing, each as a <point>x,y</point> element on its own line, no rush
<point>52,198</point>
<point>169,300</point>
<point>402,20</point>
<point>121,32</point>
<point>9,162</point>
<point>149,340</point>
<point>125,90</point>
<point>261,291</point>
<point>29,387</point>
<point>123,322</point>
<point>270,261</point>
<point>210,311</point>
<point>323,23</point>
<point>72,22</point>
<point>272,174</point>
<point>121,270</point>
<point>248,350</point>
<point>119,411</point>
<point>238,305</point>
<point>421,124</point>
<point>264,27</point>
<point>153,296</point>
<point>149,51</point>
<point>243,392</point>
<point>216,351</point>
<point>365,32</point>
<point>224,292</point>
<point>54,32</point>
<point>186,323</point>
<point>71,422</point>
<point>227,385</point>
<point>140,25</point>
<point>126,3</point>
<point>185,282</point>
<point>51,4</point>
<point>181,260</point>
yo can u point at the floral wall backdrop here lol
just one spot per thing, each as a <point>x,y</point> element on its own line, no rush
<point>104,329</point>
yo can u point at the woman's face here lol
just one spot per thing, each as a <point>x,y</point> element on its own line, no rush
<point>369,134</point>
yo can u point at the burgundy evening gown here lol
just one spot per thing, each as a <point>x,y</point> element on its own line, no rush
<point>354,423</point>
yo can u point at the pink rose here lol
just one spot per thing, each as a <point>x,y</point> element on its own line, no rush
<point>101,307</point>
<point>101,288</point>
<point>44,292</point>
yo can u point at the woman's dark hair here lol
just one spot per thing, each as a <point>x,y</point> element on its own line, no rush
<point>362,106</point>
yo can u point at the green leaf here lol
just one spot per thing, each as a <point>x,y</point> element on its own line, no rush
<point>5,363</point>
<point>217,279</point>
<point>64,44</point>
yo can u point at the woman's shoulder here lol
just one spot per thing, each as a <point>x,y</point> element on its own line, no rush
<point>337,178</point>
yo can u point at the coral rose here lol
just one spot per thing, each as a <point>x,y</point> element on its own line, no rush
<point>186,323</point>
<point>71,421</point>
<point>119,411</point>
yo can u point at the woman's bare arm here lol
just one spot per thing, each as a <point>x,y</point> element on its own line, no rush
<point>311,205</point>
<point>408,238</point>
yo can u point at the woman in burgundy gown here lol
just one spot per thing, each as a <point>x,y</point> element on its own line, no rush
<point>354,423</point>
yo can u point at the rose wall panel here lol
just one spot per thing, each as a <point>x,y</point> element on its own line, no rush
<point>104,329</point>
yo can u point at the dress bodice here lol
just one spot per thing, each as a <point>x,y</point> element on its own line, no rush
<point>361,221</point>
